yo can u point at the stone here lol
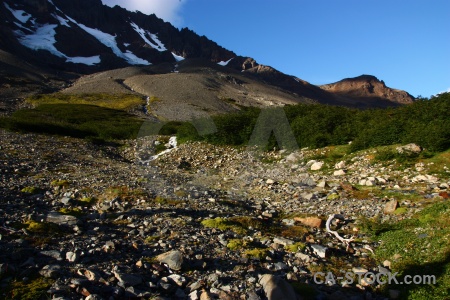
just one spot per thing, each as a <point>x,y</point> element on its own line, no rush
<point>319,250</point>
<point>65,200</point>
<point>173,259</point>
<point>60,219</point>
<point>322,184</point>
<point>283,241</point>
<point>128,279</point>
<point>359,270</point>
<point>390,207</point>
<point>340,172</point>
<point>277,288</point>
<point>340,165</point>
<point>308,181</point>
<point>316,166</point>
<point>53,254</point>
<point>92,275</point>
<point>94,297</point>
<point>313,222</point>
<point>71,256</point>
<point>270,181</point>
<point>177,279</point>
<point>409,148</point>
<point>306,258</point>
<point>51,271</point>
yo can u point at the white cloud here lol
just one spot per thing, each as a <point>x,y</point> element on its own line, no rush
<point>168,10</point>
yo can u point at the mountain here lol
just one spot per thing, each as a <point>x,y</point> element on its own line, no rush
<point>368,89</point>
<point>85,46</point>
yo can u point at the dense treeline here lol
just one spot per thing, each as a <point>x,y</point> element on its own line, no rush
<point>425,122</point>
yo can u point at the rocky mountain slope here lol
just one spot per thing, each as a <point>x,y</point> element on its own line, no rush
<point>80,220</point>
<point>47,44</point>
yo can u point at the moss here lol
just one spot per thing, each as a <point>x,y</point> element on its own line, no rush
<point>76,212</point>
<point>295,232</point>
<point>224,224</point>
<point>400,211</point>
<point>31,290</point>
<point>88,200</point>
<point>60,183</point>
<point>299,246</point>
<point>32,190</point>
<point>151,239</point>
<point>41,227</point>
<point>236,244</point>
<point>257,253</point>
<point>165,201</point>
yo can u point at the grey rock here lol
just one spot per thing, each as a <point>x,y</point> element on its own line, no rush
<point>51,271</point>
<point>319,250</point>
<point>52,253</point>
<point>283,241</point>
<point>177,279</point>
<point>60,219</point>
<point>277,288</point>
<point>174,259</point>
<point>94,297</point>
<point>128,279</point>
<point>72,256</point>
<point>409,148</point>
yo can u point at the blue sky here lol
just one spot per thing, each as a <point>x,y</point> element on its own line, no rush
<point>404,43</point>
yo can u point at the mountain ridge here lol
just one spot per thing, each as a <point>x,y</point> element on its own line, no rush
<point>62,41</point>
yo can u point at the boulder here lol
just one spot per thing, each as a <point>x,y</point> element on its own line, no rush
<point>409,148</point>
<point>390,207</point>
<point>174,259</point>
<point>277,288</point>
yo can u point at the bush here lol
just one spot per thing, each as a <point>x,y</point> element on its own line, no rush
<point>76,120</point>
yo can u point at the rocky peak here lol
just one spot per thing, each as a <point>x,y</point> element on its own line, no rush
<point>367,86</point>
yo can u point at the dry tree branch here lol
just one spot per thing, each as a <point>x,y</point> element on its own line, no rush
<point>335,233</point>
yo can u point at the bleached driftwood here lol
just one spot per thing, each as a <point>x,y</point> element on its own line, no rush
<point>335,233</point>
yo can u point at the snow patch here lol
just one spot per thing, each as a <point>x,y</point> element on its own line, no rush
<point>158,46</point>
<point>61,20</point>
<point>44,39</point>
<point>224,63</point>
<point>110,42</point>
<point>20,15</point>
<point>177,57</point>
<point>90,61</point>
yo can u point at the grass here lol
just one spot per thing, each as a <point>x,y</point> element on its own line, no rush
<point>113,101</point>
<point>75,120</point>
<point>424,245</point>
<point>439,164</point>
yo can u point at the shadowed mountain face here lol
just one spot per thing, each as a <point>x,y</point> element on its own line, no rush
<point>46,44</point>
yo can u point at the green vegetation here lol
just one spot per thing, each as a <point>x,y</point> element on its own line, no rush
<point>417,246</point>
<point>113,101</point>
<point>240,225</point>
<point>32,190</point>
<point>60,183</point>
<point>76,212</point>
<point>35,288</point>
<point>424,122</point>
<point>76,120</point>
